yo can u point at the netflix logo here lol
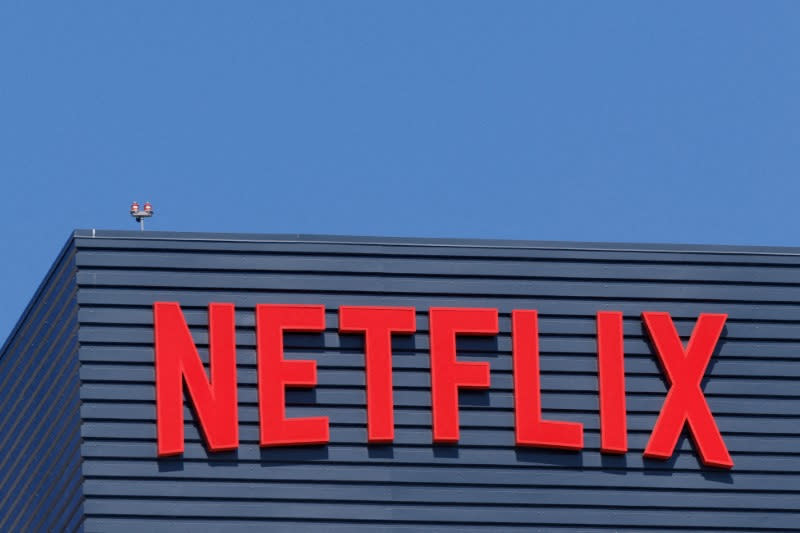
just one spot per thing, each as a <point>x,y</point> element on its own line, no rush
<point>215,400</point>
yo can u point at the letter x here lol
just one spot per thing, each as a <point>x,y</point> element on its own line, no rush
<point>685,401</point>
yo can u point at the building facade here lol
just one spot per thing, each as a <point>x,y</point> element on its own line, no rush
<point>604,410</point>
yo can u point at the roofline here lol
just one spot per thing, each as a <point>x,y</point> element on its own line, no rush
<point>436,242</point>
<point>66,249</point>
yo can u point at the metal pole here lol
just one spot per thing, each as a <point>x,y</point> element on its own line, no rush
<point>141,224</point>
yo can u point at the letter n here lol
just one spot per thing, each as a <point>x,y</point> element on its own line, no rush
<point>177,362</point>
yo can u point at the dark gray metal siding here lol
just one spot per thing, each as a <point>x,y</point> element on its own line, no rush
<point>484,482</point>
<point>40,464</point>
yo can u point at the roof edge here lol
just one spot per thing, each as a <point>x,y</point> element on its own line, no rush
<point>436,242</point>
<point>66,249</point>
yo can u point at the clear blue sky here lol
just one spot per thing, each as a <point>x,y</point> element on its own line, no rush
<point>612,121</point>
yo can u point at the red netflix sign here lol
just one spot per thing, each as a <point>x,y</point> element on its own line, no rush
<point>215,400</point>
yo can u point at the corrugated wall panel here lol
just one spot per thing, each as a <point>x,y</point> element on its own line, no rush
<point>40,474</point>
<point>484,482</point>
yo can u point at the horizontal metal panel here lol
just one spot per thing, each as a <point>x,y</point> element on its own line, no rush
<point>445,285</point>
<point>499,515</point>
<point>501,381</point>
<point>26,343</point>
<point>50,370</point>
<point>62,500</point>
<point>633,327</point>
<point>410,493</point>
<point>486,456</point>
<point>356,434</point>
<point>475,417</point>
<point>419,359</point>
<point>39,409</point>
<point>70,510</point>
<point>442,248</point>
<point>488,346</point>
<point>523,474</point>
<point>453,267</point>
<point>103,524</point>
<point>485,481</point>
<point>552,401</point>
<point>557,305</point>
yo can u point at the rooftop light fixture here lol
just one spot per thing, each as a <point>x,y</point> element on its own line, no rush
<point>141,214</point>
